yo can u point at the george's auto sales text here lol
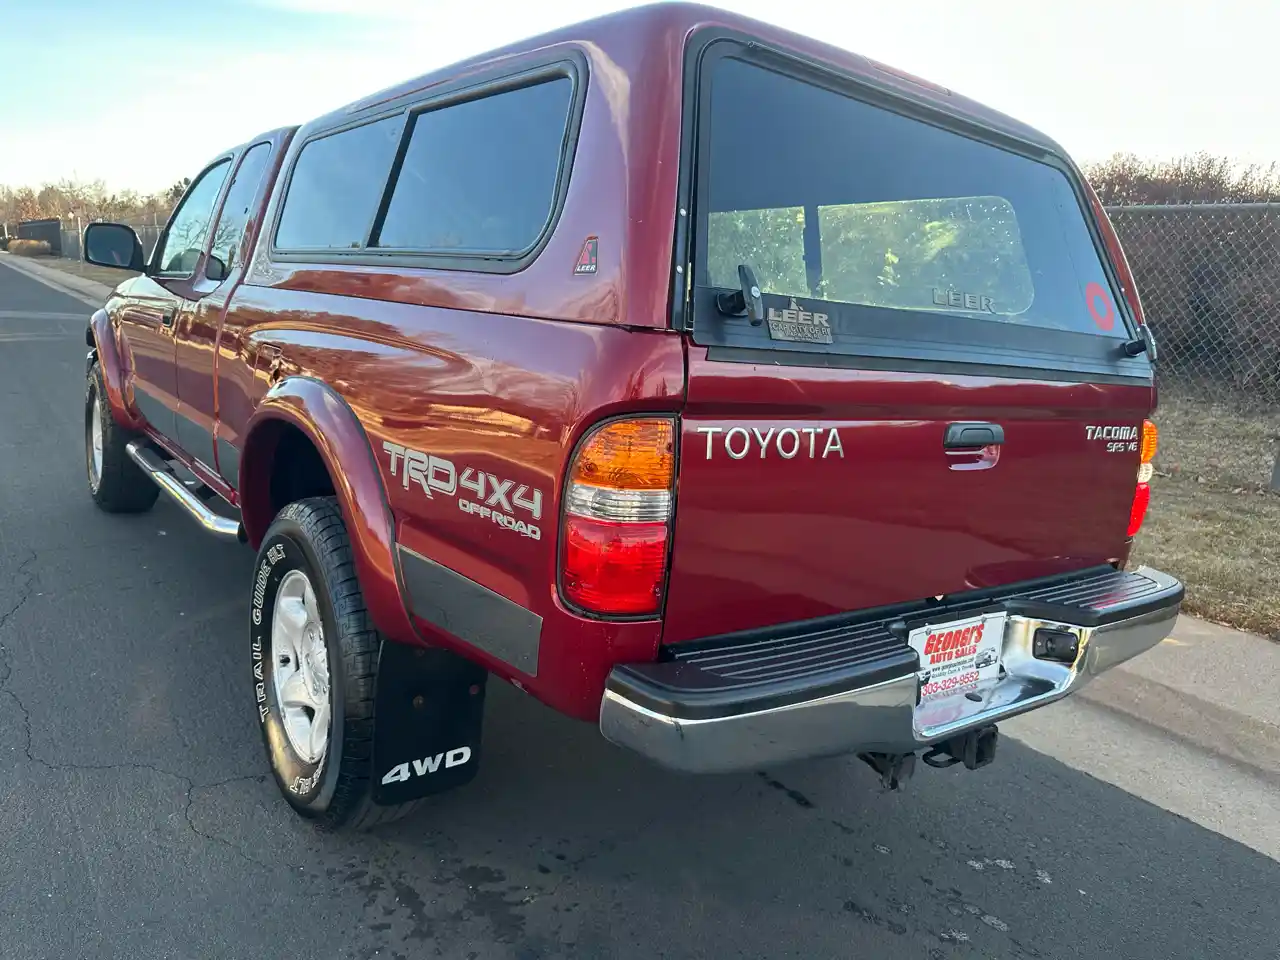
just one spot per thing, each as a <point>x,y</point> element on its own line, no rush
<point>953,644</point>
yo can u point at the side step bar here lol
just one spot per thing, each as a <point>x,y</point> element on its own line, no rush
<point>158,471</point>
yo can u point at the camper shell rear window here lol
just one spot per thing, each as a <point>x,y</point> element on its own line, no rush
<point>875,233</point>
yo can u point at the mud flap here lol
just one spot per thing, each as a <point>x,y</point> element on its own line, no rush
<point>428,713</point>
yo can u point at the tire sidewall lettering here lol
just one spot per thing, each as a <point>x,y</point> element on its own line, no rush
<point>91,396</point>
<point>306,783</point>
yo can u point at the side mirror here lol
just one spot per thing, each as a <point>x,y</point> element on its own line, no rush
<point>215,269</point>
<point>113,245</point>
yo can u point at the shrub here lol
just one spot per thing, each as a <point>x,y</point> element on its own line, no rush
<point>1198,178</point>
<point>30,248</point>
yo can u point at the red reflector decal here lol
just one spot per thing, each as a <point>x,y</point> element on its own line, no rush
<point>1100,306</point>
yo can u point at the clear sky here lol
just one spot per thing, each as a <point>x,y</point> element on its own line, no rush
<point>142,92</point>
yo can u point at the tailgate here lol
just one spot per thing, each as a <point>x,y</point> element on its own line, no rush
<point>888,514</point>
<point>935,393</point>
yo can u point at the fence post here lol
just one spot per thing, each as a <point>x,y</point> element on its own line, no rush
<point>1275,473</point>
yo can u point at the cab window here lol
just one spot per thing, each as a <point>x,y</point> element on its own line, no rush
<point>188,228</point>
<point>236,211</point>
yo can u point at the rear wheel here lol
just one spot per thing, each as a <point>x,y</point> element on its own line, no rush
<point>315,656</point>
<point>116,483</point>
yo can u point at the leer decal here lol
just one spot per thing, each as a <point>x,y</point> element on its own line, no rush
<point>588,257</point>
<point>965,301</point>
<point>799,325</point>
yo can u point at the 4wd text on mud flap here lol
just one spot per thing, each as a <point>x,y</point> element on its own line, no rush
<point>401,771</point>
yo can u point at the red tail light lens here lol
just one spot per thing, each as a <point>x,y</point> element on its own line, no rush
<point>614,568</point>
<point>1138,512</point>
<point>617,514</point>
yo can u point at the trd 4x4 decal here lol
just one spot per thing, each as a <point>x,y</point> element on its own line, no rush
<point>495,499</point>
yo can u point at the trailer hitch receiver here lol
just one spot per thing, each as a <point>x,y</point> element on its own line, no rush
<point>975,748</point>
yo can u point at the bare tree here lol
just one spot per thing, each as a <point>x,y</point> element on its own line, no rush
<point>90,200</point>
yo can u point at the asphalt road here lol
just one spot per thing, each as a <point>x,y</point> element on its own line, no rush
<point>137,818</point>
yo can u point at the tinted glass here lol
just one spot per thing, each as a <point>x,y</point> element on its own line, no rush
<point>236,211</point>
<point>841,201</point>
<point>481,176</point>
<point>109,244</point>
<point>189,227</point>
<point>336,185</point>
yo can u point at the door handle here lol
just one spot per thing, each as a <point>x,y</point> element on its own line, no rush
<point>166,318</point>
<point>972,436</point>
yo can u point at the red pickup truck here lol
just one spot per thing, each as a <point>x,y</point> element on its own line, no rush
<point>739,394</point>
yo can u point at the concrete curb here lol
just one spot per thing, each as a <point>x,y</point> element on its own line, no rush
<point>1216,730</point>
<point>86,291</point>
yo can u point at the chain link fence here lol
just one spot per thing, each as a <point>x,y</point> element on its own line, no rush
<point>1209,278</point>
<point>147,227</point>
<point>64,236</point>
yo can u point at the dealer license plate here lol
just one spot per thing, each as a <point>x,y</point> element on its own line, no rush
<point>957,659</point>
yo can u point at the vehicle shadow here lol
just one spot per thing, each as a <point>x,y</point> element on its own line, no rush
<point>565,846</point>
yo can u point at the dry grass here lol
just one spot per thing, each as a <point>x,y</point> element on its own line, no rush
<point>1213,522</point>
<point>29,248</point>
<point>111,276</point>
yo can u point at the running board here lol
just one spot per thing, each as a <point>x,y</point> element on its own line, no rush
<point>158,471</point>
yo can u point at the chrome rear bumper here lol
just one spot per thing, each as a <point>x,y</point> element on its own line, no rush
<point>679,714</point>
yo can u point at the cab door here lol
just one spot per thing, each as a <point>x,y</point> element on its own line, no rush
<point>201,317</point>
<point>158,299</point>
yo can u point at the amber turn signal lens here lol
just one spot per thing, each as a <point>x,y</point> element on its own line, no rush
<point>1150,436</point>
<point>628,455</point>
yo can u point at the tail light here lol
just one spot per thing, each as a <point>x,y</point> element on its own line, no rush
<point>617,518</point>
<point>1112,241</point>
<point>1142,493</point>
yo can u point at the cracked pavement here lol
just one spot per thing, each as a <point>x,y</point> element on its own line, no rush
<point>139,819</point>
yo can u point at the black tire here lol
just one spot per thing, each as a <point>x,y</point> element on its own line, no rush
<point>336,791</point>
<point>120,486</point>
